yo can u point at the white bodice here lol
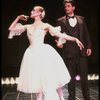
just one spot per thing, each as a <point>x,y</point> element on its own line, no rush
<point>36,37</point>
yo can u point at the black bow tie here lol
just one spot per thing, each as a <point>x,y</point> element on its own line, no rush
<point>70,17</point>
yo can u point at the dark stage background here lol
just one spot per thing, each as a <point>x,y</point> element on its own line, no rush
<point>13,50</point>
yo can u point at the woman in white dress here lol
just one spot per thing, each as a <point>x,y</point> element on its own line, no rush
<point>42,69</point>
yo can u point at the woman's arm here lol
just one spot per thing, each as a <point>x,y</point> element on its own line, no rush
<point>17,28</point>
<point>20,17</point>
<point>57,33</point>
<point>69,38</point>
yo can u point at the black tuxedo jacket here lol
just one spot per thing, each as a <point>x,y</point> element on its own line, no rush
<point>83,35</point>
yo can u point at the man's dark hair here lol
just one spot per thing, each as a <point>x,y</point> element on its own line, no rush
<point>69,1</point>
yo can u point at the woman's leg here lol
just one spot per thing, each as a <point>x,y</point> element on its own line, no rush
<point>60,93</point>
<point>39,96</point>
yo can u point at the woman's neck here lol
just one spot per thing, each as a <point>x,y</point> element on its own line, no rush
<point>37,21</point>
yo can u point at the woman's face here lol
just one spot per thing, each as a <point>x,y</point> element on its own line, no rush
<point>35,12</point>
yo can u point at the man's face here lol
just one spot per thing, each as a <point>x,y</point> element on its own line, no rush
<point>69,8</point>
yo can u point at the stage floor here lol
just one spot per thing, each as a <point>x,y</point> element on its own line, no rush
<point>9,92</point>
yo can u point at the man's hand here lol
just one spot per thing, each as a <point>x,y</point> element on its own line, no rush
<point>59,46</point>
<point>88,52</point>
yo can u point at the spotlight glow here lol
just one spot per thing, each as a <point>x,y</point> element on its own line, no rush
<point>77,78</point>
<point>15,80</point>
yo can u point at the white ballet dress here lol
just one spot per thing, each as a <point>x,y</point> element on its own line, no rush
<point>41,66</point>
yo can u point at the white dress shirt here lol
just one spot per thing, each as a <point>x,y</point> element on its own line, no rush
<point>72,21</point>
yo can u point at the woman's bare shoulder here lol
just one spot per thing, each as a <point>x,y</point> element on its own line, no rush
<point>47,25</point>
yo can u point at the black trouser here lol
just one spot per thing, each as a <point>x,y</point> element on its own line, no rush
<point>77,65</point>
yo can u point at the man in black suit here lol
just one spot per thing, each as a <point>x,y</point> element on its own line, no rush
<point>75,59</point>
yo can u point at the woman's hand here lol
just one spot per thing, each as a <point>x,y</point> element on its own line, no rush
<point>23,17</point>
<point>79,44</point>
